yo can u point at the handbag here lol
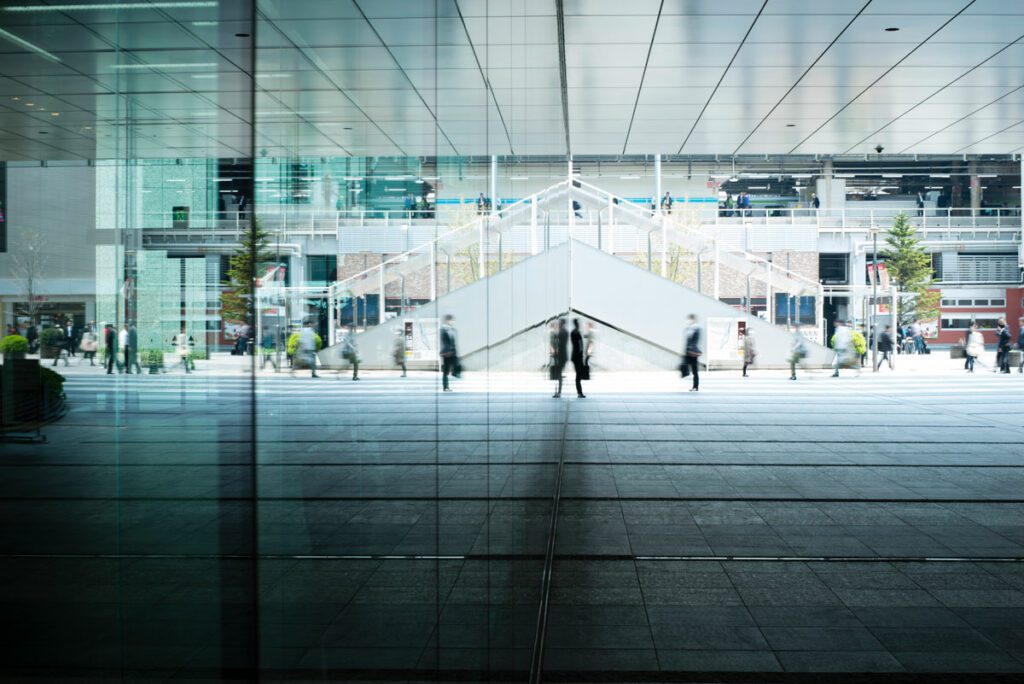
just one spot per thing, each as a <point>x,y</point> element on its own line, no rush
<point>684,370</point>
<point>457,369</point>
<point>585,372</point>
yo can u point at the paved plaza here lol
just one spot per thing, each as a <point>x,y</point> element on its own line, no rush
<point>870,524</point>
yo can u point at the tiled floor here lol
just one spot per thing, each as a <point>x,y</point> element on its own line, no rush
<point>859,525</point>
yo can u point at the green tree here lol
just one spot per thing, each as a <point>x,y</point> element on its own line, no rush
<point>237,303</point>
<point>910,266</point>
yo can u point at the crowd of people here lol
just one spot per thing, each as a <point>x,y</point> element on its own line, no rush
<point>120,348</point>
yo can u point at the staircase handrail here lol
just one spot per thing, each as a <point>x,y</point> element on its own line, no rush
<point>654,215</point>
<point>486,219</point>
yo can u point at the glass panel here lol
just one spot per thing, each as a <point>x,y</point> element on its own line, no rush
<point>127,481</point>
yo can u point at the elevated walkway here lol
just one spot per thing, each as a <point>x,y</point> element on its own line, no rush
<point>640,317</point>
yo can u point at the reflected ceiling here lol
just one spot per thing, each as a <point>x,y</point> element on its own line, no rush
<point>80,80</point>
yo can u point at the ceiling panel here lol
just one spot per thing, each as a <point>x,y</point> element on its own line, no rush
<point>390,77</point>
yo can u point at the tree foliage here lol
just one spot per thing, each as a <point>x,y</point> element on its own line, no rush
<point>28,265</point>
<point>237,302</point>
<point>910,266</point>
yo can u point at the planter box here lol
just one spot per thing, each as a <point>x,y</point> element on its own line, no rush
<point>21,392</point>
<point>49,352</point>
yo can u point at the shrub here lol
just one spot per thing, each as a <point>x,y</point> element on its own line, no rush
<point>13,344</point>
<point>51,337</point>
<point>199,355</point>
<point>293,343</point>
<point>151,358</point>
<point>53,382</point>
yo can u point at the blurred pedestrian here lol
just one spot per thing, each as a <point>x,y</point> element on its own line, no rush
<point>797,352</point>
<point>307,347</point>
<point>559,351</point>
<point>974,347</point>
<point>749,350</point>
<point>399,350</point>
<point>1020,343</point>
<point>449,352</point>
<point>268,347</point>
<point>691,351</point>
<point>89,345</point>
<point>842,343</point>
<point>579,361</point>
<point>885,348</point>
<point>1003,347</point>
<point>350,352</point>
<point>110,348</point>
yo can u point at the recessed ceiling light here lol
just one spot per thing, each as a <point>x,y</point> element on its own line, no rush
<point>241,35</point>
<point>347,128</point>
<point>54,113</point>
<point>43,133</point>
<point>167,65</point>
<point>790,125</point>
<point>15,98</point>
<point>99,6</point>
<point>892,28</point>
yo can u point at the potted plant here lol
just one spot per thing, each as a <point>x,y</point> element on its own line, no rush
<point>50,342</point>
<point>14,347</point>
<point>53,393</point>
<point>153,359</point>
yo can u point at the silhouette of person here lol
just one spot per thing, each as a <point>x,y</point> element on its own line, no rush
<point>579,361</point>
<point>691,350</point>
<point>559,354</point>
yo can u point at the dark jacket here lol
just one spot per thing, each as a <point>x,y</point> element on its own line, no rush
<point>1004,339</point>
<point>110,339</point>
<point>562,347</point>
<point>448,342</point>
<point>693,341</point>
<point>885,342</point>
<point>577,347</point>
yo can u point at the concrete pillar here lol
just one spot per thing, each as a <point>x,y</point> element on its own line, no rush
<point>975,189</point>
<point>533,226</point>
<point>657,183</point>
<point>494,183</point>
<point>611,224</point>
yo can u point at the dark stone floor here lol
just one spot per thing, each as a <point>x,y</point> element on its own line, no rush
<point>869,525</point>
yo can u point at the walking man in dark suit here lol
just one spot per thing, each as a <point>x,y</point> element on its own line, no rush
<point>691,350</point>
<point>449,352</point>
<point>579,363</point>
<point>110,348</point>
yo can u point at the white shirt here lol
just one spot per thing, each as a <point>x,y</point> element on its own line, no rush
<point>122,338</point>
<point>306,340</point>
<point>843,337</point>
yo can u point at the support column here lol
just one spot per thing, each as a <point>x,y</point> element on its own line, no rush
<point>657,183</point>
<point>568,199</point>
<point>481,261</point>
<point>975,189</point>
<point>611,224</point>
<point>716,269</point>
<point>380,304</point>
<point>533,225</point>
<point>494,183</point>
<point>433,271</point>
<point>768,303</point>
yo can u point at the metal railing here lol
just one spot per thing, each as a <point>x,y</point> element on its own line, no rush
<point>313,221</point>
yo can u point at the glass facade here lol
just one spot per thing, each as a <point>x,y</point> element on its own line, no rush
<point>215,201</point>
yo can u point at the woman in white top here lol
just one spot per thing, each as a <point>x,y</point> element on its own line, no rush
<point>975,347</point>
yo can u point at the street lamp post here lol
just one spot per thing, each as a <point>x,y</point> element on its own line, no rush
<point>874,299</point>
